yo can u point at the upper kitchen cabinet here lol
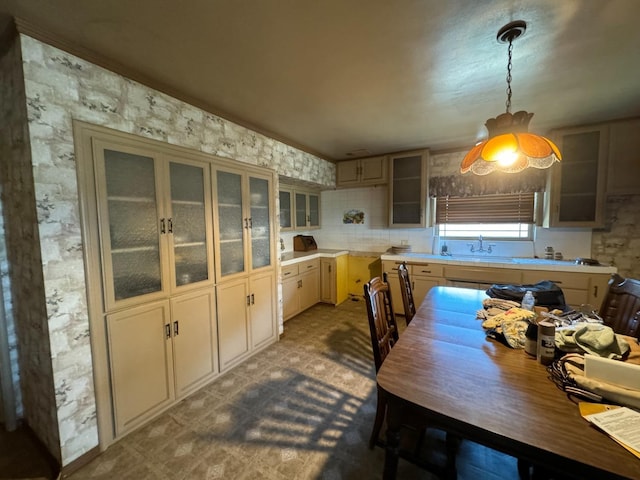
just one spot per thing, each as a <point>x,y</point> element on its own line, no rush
<point>307,209</point>
<point>154,222</point>
<point>575,193</point>
<point>286,208</point>
<point>624,158</point>
<point>408,189</point>
<point>244,227</point>
<point>362,172</point>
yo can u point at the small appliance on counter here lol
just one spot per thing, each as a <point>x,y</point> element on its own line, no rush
<point>587,261</point>
<point>304,243</point>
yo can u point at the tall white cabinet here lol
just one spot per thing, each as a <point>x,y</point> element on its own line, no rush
<point>179,254</point>
<point>245,263</point>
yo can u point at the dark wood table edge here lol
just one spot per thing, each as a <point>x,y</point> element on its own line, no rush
<point>398,407</point>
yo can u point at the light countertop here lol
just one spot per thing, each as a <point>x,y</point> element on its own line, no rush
<point>289,258</point>
<point>500,262</point>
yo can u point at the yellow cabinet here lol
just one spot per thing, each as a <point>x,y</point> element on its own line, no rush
<point>333,279</point>
<point>362,172</point>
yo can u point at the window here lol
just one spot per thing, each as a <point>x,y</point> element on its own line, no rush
<point>508,216</point>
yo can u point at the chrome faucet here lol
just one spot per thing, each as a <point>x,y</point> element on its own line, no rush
<point>481,248</point>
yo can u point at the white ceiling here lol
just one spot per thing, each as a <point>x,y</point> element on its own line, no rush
<point>337,76</point>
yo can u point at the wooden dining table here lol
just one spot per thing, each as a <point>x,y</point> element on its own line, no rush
<point>448,370</point>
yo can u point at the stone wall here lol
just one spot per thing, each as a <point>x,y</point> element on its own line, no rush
<point>619,242</point>
<point>61,87</point>
<point>22,274</point>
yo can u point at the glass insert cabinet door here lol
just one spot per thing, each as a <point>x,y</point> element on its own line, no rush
<point>231,222</point>
<point>259,222</point>
<point>188,223</point>
<point>131,231</point>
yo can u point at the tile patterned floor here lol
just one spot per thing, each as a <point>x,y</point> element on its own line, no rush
<point>301,409</point>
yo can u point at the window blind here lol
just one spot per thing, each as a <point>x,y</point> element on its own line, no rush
<point>503,208</point>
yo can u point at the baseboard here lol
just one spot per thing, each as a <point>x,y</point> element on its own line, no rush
<point>79,462</point>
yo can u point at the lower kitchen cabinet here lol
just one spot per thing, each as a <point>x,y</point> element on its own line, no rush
<point>333,279</point>
<point>578,288</point>
<point>160,352</point>
<point>300,287</point>
<point>246,317</point>
<point>422,276</point>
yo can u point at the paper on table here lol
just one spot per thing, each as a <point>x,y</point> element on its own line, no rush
<point>622,424</point>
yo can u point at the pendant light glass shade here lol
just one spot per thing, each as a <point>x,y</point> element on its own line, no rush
<point>510,147</point>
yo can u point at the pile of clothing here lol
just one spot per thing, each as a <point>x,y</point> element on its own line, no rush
<point>505,321</point>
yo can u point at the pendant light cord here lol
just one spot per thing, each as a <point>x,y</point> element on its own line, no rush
<point>508,102</point>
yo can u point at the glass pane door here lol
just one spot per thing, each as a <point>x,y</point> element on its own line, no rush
<point>407,203</point>
<point>231,222</point>
<point>314,210</point>
<point>285,209</point>
<point>134,239</point>
<point>260,229</point>
<point>188,223</point>
<point>301,210</point>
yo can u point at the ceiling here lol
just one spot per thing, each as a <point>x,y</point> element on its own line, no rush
<point>345,78</point>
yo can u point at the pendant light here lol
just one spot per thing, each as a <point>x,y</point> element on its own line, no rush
<point>510,148</point>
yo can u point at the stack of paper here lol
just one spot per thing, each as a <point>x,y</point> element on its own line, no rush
<point>620,423</point>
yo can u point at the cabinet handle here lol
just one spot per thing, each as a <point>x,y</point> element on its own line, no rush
<point>246,223</point>
<point>248,300</point>
<point>176,328</point>
<point>167,330</point>
<point>253,299</point>
<point>425,271</point>
<point>595,291</point>
<point>299,283</point>
<point>250,222</point>
<point>329,268</point>
<point>555,281</point>
<point>163,228</point>
<point>170,225</point>
<point>309,219</point>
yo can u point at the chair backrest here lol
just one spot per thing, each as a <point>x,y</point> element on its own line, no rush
<point>407,292</point>
<point>621,306</point>
<point>382,321</point>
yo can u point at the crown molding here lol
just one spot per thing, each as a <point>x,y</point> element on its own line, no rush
<point>27,28</point>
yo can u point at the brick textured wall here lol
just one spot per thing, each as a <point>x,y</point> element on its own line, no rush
<point>619,242</point>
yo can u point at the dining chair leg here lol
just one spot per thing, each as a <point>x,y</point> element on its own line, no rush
<point>381,408</point>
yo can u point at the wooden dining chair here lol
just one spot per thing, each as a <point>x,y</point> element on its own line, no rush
<point>407,292</point>
<point>620,308</point>
<point>384,335</point>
